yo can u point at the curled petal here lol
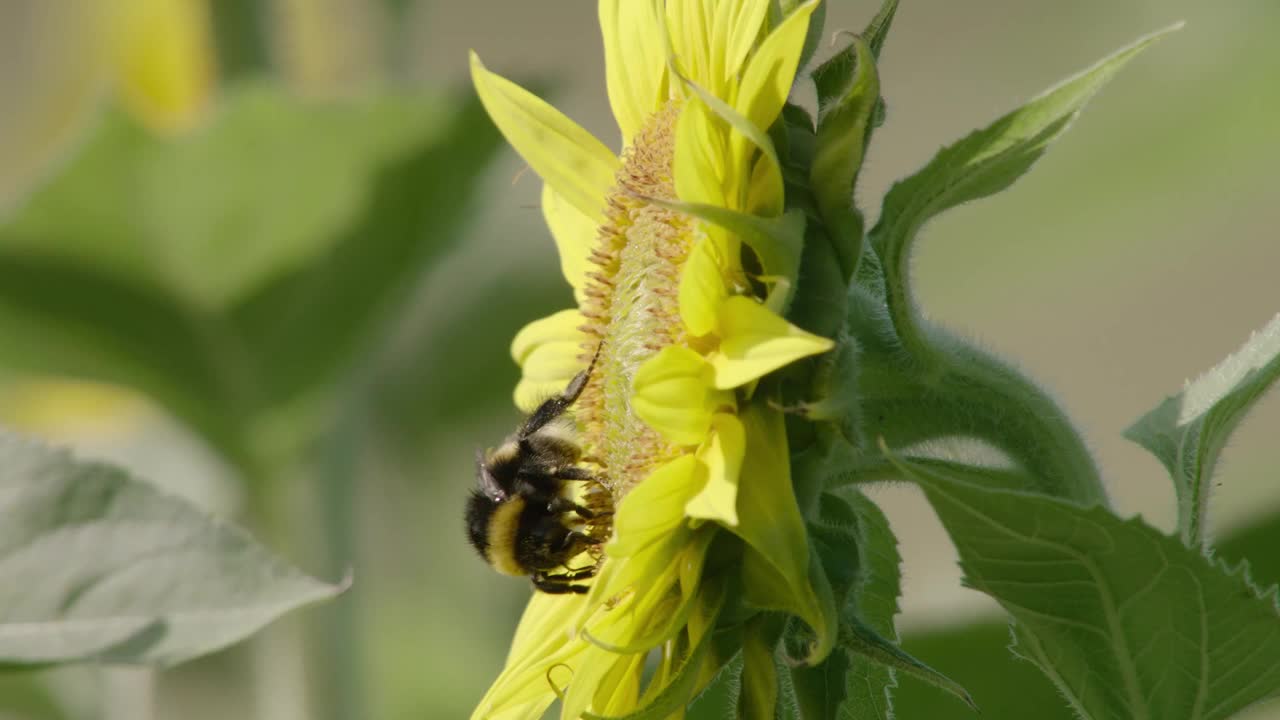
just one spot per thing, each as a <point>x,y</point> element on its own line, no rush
<point>754,342</point>
<point>655,507</point>
<point>548,352</point>
<point>722,457</point>
<point>570,159</point>
<point>674,394</point>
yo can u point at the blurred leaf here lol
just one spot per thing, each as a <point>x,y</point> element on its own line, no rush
<point>982,164</point>
<point>64,318</point>
<point>240,33</point>
<point>27,696</point>
<point>1129,623</point>
<point>228,271</point>
<point>95,565</point>
<point>1187,431</point>
<point>313,321</point>
<point>213,214</point>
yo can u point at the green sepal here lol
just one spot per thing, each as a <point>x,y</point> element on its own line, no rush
<point>777,241</point>
<point>878,29</point>
<point>777,570</point>
<point>848,87</point>
<point>1187,432</point>
<point>759,695</point>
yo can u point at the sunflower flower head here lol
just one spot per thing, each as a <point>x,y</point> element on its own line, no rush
<point>684,260</point>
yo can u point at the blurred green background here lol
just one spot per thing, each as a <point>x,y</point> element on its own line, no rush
<point>314,175</point>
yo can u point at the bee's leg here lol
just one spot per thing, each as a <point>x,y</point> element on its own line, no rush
<point>560,504</point>
<point>552,408</point>
<point>558,584</point>
<point>571,574</point>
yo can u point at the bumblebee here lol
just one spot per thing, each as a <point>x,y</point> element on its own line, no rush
<point>522,518</point>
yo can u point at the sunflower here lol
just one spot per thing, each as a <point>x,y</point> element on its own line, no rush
<point>677,250</point>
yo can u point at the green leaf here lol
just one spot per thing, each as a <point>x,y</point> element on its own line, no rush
<point>213,214</point>
<point>1128,622</point>
<point>237,270</point>
<point>1188,431</point>
<point>71,319</point>
<point>983,163</point>
<point>313,323</point>
<point>719,700</point>
<point>976,654</point>
<point>869,685</point>
<point>859,552</point>
<point>96,565</point>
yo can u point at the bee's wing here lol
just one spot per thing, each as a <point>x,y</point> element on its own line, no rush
<point>487,482</point>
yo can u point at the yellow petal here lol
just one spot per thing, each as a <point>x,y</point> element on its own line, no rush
<point>700,165</point>
<point>635,61</point>
<point>688,25</point>
<point>674,394</point>
<point>769,74</point>
<point>574,233</point>
<point>548,352</point>
<point>737,27</point>
<point>654,508</point>
<point>755,342</point>
<point>593,666</point>
<point>164,60</point>
<point>521,691</point>
<point>571,160</point>
<point>722,456</point>
<point>702,288</point>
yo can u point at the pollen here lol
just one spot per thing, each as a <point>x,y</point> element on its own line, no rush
<point>631,305</point>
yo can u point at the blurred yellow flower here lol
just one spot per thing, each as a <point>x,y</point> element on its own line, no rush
<point>162,58</point>
<point>685,328</point>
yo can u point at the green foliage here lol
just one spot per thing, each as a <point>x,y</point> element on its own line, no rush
<point>982,164</point>
<point>976,653</point>
<point>1128,622</point>
<point>97,565</point>
<point>1187,432</point>
<point>229,298</point>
